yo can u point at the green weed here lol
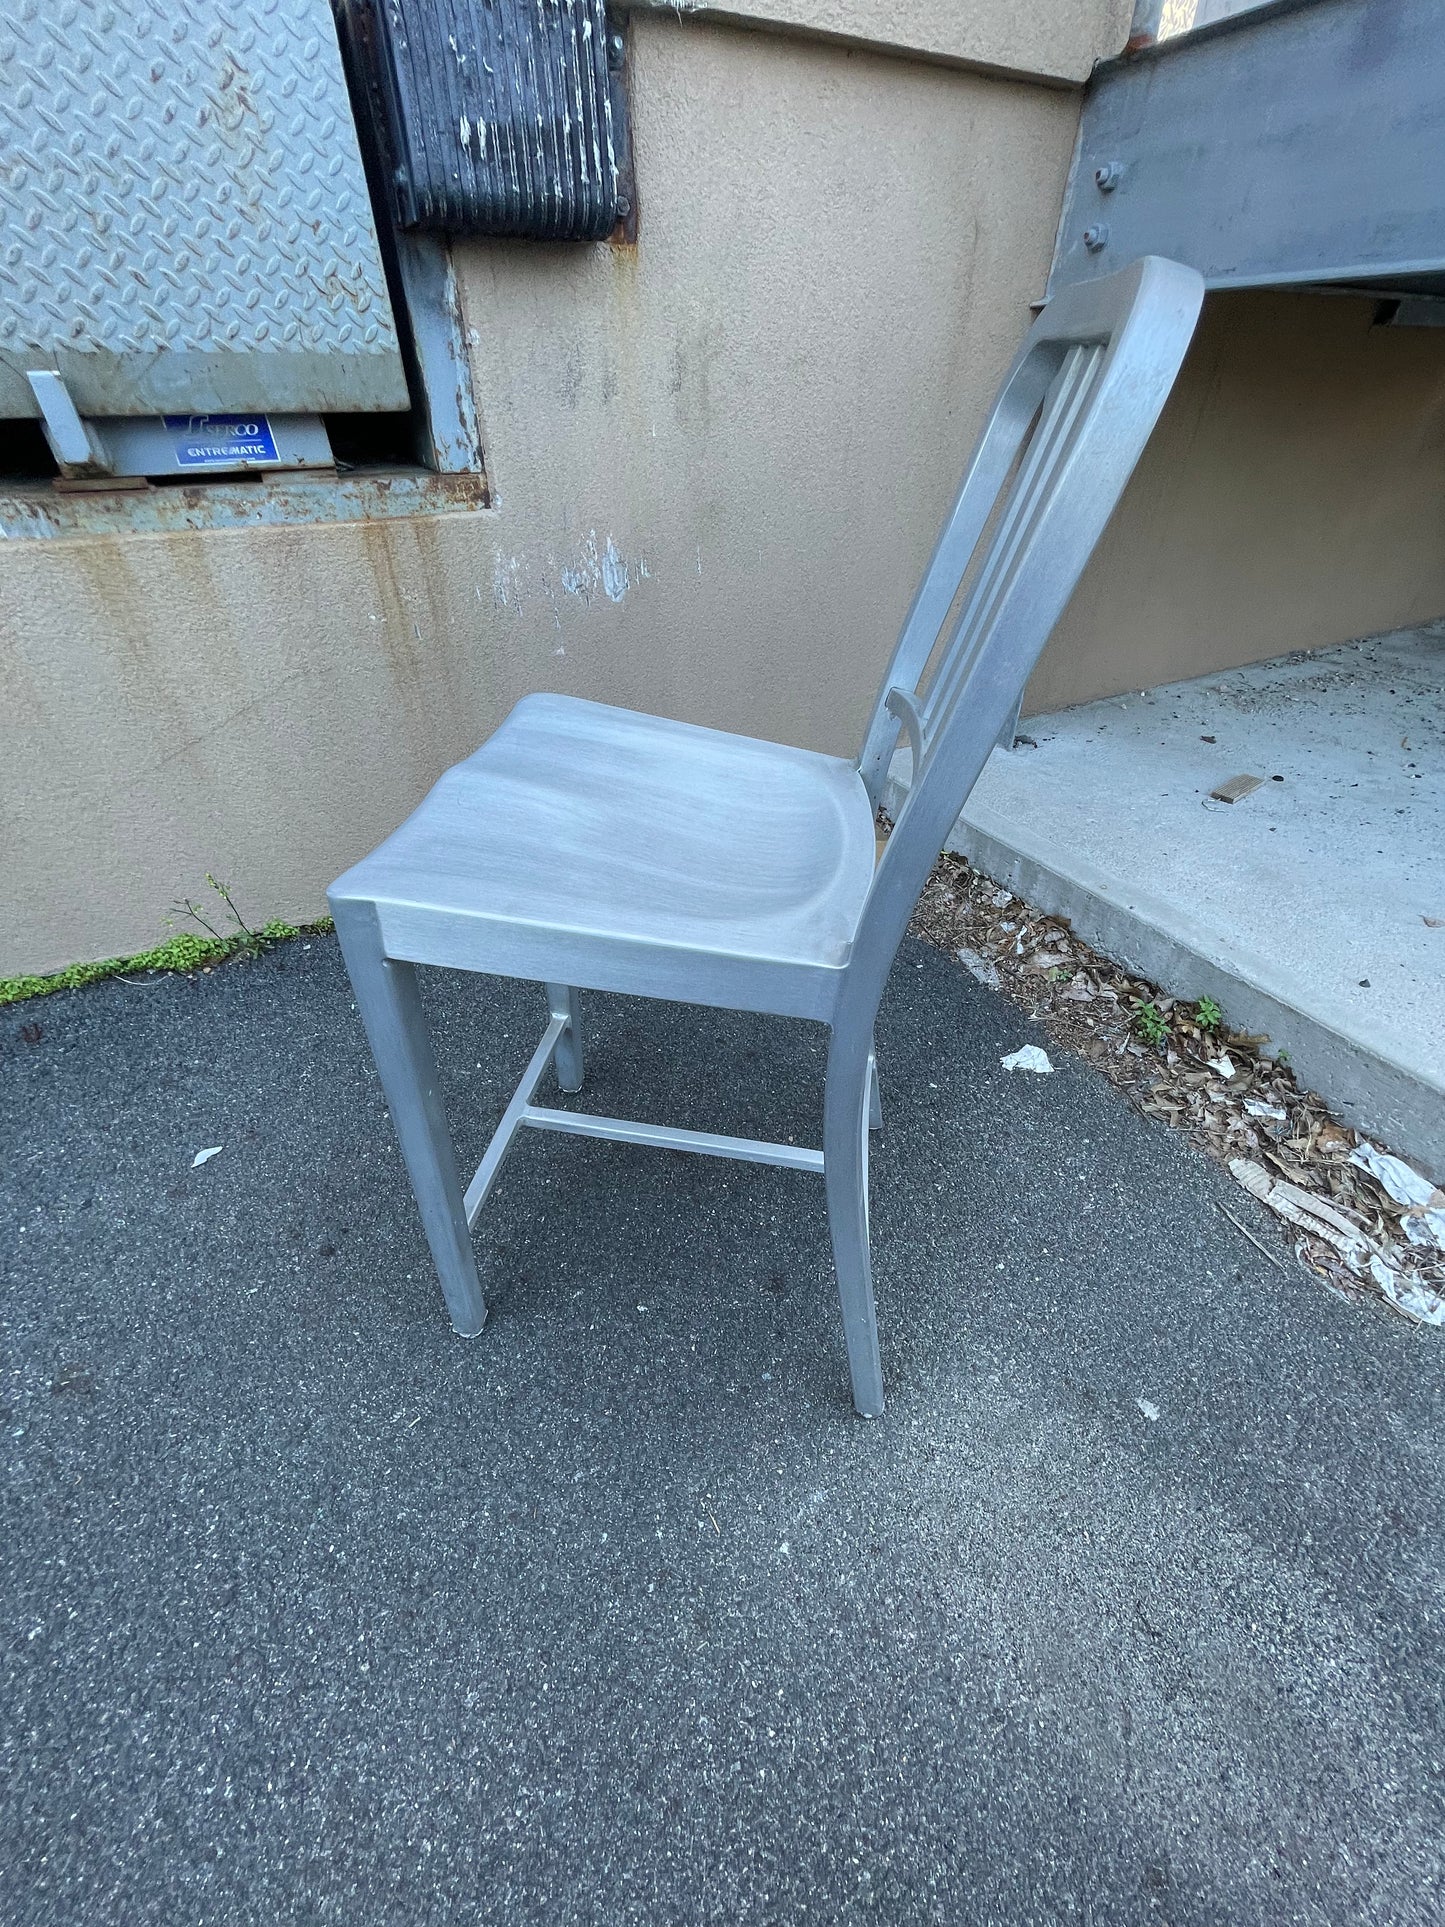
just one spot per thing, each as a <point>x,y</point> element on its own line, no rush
<point>1151,1026</point>
<point>188,950</point>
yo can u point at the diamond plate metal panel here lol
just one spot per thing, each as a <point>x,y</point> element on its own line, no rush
<point>184,219</point>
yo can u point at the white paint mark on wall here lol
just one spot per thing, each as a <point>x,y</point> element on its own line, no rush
<point>549,589</point>
<point>615,579</point>
<point>464,128</point>
<point>507,583</point>
<point>578,581</point>
<point>599,568</point>
<point>606,569</point>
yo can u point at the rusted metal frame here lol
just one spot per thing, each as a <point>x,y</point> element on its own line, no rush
<point>131,506</point>
<point>441,365</point>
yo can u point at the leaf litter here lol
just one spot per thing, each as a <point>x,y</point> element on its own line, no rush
<point>1366,1223</point>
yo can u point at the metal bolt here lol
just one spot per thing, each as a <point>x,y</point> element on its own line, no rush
<point>1096,237</point>
<point>624,207</point>
<point>1108,177</point>
<point>616,48</point>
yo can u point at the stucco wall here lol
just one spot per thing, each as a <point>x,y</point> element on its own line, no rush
<point>718,462</point>
<point>1292,496</point>
<point>1059,41</point>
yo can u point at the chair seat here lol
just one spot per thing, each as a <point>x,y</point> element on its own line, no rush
<point>600,847</point>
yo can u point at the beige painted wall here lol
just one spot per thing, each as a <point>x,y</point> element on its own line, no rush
<point>1058,41</point>
<point>758,414</point>
<point>1293,495</point>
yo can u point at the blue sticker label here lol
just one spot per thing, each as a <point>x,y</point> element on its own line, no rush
<point>220,441</point>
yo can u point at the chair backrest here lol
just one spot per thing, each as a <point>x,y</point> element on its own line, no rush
<point>1070,422</point>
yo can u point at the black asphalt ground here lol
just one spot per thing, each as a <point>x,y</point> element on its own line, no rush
<point>315,1613</point>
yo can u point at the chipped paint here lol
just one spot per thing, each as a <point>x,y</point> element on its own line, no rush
<point>605,570</point>
<point>28,510</point>
<point>599,567</point>
<point>615,579</point>
<point>434,302</point>
<point>507,583</point>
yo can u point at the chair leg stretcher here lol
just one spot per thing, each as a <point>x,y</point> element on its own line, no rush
<point>622,1130</point>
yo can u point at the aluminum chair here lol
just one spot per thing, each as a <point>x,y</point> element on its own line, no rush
<point>596,848</point>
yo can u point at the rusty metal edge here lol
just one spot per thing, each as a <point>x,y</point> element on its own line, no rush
<point>38,512</point>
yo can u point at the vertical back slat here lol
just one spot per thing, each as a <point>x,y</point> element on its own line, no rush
<point>1067,400</point>
<point>1091,379</point>
<point>987,472</point>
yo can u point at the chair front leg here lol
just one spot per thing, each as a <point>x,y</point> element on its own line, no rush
<point>845,1170</point>
<point>386,997</point>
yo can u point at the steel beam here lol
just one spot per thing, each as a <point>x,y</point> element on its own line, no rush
<point>1296,144</point>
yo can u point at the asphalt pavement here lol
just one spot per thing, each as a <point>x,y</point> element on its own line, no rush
<point>1128,1610</point>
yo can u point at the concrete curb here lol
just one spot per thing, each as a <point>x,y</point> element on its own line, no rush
<point>1366,1084</point>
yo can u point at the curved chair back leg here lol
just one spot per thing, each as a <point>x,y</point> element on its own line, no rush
<point>846,1113</point>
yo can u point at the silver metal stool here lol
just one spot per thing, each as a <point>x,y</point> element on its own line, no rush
<point>585,846</point>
